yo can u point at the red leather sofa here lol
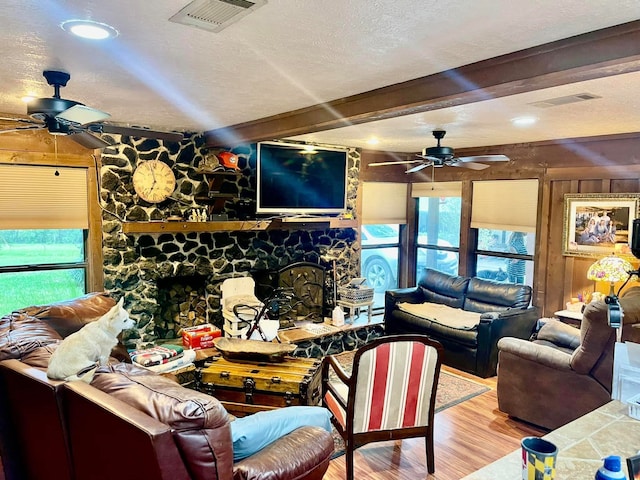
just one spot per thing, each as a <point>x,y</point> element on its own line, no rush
<point>129,423</point>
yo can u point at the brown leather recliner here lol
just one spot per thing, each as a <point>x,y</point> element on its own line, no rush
<point>565,373</point>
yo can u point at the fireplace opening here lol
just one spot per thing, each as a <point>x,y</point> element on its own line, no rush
<point>182,302</point>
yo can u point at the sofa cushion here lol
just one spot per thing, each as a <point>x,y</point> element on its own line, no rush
<point>69,316</point>
<point>443,314</point>
<point>200,422</point>
<point>412,323</point>
<point>438,287</point>
<point>39,357</point>
<point>559,334</point>
<point>21,333</point>
<point>486,296</point>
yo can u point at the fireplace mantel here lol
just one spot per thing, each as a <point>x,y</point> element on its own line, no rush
<point>238,225</point>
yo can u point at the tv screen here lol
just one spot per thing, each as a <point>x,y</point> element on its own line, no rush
<point>299,181</point>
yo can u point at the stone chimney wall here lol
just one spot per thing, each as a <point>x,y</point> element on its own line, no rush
<point>135,263</point>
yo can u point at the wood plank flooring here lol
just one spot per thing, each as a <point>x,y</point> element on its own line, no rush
<point>467,437</point>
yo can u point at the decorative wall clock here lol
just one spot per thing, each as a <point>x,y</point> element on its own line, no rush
<point>154,181</point>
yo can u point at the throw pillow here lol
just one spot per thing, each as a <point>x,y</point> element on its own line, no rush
<point>252,433</point>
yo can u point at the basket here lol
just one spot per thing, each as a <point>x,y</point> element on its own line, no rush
<point>356,295</point>
<point>634,407</point>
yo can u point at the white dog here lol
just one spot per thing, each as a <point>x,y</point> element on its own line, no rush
<point>81,353</point>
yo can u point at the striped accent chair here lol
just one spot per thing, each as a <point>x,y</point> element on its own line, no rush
<point>389,394</point>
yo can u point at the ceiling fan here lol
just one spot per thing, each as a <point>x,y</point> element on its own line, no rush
<point>67,117</point>
<point>440,156</point>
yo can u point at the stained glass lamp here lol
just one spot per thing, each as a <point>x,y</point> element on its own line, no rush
<point>610,269</point>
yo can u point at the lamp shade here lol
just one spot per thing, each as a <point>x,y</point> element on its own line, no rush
<point>610,269</point>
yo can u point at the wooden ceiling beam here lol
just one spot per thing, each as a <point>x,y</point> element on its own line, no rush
<point>601,53</point>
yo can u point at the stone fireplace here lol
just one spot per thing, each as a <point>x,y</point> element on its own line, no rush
<point>148,267</point>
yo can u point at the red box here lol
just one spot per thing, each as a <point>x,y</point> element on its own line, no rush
<point>200,336</point>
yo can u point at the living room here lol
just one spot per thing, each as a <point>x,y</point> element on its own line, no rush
<point>124,258</point>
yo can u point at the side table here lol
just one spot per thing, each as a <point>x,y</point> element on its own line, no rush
<point>569,316</point>
<point>354,307</point>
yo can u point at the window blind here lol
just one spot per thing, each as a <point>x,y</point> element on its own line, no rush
<point>510,205</point>
<point>436,189</point>
<point>384,202</point>
<point>34,197</point>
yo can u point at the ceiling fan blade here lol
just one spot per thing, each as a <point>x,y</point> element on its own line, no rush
<point>141,132</point>
<point>484,158</point>
<point>417,168</point>
<point>22,129</point>
<point>87,140</point>
<point>398,162</point>
<point>428,157</point>
<point>82,115</point>
<point>20,120</point>
<point>470,165</point>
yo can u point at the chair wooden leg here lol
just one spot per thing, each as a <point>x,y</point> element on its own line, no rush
<point>429,449</point>
<point>349,461</point>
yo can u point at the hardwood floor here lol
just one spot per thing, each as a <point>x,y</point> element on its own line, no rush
<point>467,437</point>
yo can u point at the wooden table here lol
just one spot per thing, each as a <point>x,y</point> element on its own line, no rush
<point>353,309</point>
<point>569,316</point>
<point>246,387</point>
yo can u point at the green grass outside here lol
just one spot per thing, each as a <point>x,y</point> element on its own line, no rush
<point>23,289</point>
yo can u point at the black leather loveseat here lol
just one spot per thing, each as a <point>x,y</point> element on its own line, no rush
<point>503,310</point>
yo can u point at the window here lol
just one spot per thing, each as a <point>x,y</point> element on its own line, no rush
<point>379,258</point>
<point>40,266</point>
<point>44,231</point>
<point>438,239</point>
<point>505,256</point>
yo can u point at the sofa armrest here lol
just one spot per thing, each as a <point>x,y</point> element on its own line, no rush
<point>393,297</point>
<point>513,322</point>
<point>295,455</point>
<point>534,352</point>
<point>411,295</point>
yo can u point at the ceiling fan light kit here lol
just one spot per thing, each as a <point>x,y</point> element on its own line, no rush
<point>61,116</point>
<point>440,156</point>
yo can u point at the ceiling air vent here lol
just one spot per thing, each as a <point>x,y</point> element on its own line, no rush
<point>215,15</point>
<point>554,102</point>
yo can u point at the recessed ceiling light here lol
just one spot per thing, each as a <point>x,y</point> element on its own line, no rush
<point>373,141</point>
<point>89,29</point>
<point>523,121</point>
<point>28,98</point>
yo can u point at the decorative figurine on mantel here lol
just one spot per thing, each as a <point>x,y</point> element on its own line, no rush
<point>198,215</point>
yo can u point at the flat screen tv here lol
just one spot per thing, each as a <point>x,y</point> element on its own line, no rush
<point>292,180</point>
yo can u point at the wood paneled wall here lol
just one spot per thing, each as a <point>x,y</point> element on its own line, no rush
<point>607,164</point>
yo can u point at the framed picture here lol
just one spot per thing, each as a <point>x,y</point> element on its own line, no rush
<point>633,464</point>
<point>595,222</point>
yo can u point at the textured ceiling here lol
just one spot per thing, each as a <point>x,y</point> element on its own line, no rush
<point>292,54</point>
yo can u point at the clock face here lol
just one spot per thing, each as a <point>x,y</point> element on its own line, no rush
<point>154,181</point>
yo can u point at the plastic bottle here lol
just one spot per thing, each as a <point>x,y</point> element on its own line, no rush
<point>337,317</point>
<point>611,469</point>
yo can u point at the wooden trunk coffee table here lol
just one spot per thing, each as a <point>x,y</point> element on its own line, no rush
<point>246,387</point>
